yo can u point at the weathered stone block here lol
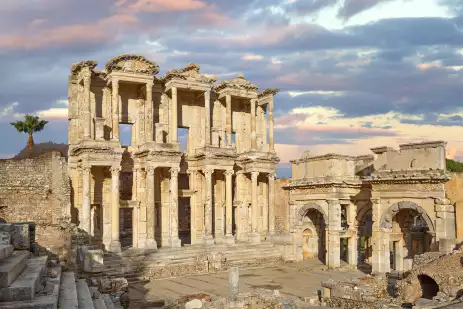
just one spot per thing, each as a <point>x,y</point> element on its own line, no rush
<point>20,238</point>
<point>89,260</point>
<point>446,244</point>
<point>5,238</point>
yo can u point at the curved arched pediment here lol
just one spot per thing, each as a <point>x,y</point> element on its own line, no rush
<point>129,63</point>
<point>386,219</point>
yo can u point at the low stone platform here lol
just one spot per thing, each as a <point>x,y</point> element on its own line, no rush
<point>138,265</point>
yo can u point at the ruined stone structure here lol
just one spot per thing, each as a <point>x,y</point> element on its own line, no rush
<point>218,191</point>
<point>381,211</point>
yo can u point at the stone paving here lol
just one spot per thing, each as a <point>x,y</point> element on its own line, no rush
<point>291,279</point>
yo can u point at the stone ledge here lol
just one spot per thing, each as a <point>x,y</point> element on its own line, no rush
<point>12,266</point>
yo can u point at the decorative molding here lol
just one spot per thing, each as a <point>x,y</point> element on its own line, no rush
<point>239,83</point>
<point>130,63</point>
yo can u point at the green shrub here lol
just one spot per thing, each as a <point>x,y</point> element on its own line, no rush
<point>454,166</point>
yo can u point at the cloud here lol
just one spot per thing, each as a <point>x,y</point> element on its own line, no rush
<point>160,6</point>
<point>353,7</point>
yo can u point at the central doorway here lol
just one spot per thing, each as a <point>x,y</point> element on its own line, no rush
<point>184,220</point>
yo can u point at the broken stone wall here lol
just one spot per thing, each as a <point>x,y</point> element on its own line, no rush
<point>454,192</point>
<point>36,190</point>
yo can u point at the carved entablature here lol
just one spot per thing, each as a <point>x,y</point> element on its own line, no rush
<point>129,63</point>
<point>407,176</point>
<point>326,181</point>
<point>83,67</point>
<point>190,73</point>
<point>267,95</point>
<point>417,187</point>
<point>239,87</point>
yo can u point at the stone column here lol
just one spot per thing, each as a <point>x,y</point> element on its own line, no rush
<point>208,239</point>
<point>207,107</point>
<point>253,125</point>
<point>85,223</point>
<point>193,210</point>
<point>141,122</point>
<point>115,245</point>
<point>271,141</point>
<point>135,230</point>
<point>271,205</point>
<point>334,228</point>
<point>174,240</point>
<point>229,206</point>
<point>173,119</point>
<point>229,119</point>
<point>115,109</point>
<point>445,225</point>
<point>254,236</point>
<point>141,179</point>
<point>150,209</point>
<point>149,113</point>
<point>87,103</point>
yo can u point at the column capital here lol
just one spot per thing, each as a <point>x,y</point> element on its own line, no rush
<point>191,171</point>
<point>115,169</point>
<point>174,171</point>
<point>229,173</point>
<point>115,82</point>
<point>208,171</point>
<point>174,89</point>
<point>86,168</point>
<point>150,170</point>
<point>254,174</point>
<point>149,85</point>
<point>271,176</point>
<point>87,77</point>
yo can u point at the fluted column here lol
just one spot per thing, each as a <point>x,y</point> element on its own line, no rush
<point>150,210</point>
<point>173,120</point>
<point>254,236</point>
<point>253,125</point>
<point>229,119</point>
<point>174,240</point>
<point>207,107</point>
<point>229,206</point>
<point>271,204</point>
<point>209,240</point>
<point>271,142</point>
<point>115,245</point>
<point>115,109</point>
<point>85,223</point>
<point>149,113</point>
<point>87,103</point>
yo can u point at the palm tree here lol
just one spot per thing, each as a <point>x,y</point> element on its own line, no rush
<point>30,125</point>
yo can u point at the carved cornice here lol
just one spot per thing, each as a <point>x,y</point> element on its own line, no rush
<point>130,63</point>
<point>237,83</point>
<point>77,67</point>
<point>407,176</point>
<point>268,92</point>
<point>431,144</point>
<point>189,73</point>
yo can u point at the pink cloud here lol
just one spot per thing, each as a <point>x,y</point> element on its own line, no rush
<point>159,6</point>
<point>343,129</point>
<point>290,119</point>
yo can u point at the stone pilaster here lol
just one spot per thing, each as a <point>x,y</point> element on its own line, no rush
<point>115,109</point>
<point>380,242</point>
<point>85,223</point>
<point>253,124</point>
<point>208,239</point>
<point>141,121</point>
<point>445,225</point>
<point>271,204</point>
<point>173,119</point>
<point>150,209</point>
<point>229,206</point>
<point>174,239</point>
<point>254,236</point>
<point>149,113</point>
<point>271,142</point>
<point>87,77</point>
<point>207,108</point>
<point>192,175</point>
<point>140,195</point>
<point>334,229</point>
<point>135,221</point>
<point>229,120</point>
<point>115,245</point>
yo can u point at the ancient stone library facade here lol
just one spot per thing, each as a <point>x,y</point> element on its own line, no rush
<point>219,190</point>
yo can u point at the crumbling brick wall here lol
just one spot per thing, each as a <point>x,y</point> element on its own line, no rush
<point>36,189</point>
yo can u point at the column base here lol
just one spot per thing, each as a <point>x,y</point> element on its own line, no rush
<point>115,246</point>
<point>229,239</point>
<point>209,240</point>
<point>151,244</point>
<point>270,236</point>
<point>254,238</point>
<point>175,242</point>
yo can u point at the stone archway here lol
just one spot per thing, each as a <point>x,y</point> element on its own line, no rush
<point>365,230</point>
<point>429,286</point>
<point>386,219</point>
<point>313,226</point>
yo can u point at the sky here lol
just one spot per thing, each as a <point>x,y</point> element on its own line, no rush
<point>353,74</point>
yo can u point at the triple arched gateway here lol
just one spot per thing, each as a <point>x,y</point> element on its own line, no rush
<point>379,211</point>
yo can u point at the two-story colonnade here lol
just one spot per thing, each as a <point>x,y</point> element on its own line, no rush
<point>220,189</point>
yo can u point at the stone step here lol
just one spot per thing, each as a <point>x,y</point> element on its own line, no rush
<point>27,283</point>
<point>83,295</point>
<point>5,251</point>
<point>12,266</point>
<point>68,291</point>
<point>97,298</point>
<point>108,302</point>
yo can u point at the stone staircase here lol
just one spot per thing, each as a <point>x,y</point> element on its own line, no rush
<point>138,265</point>
<point>27,281</point>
